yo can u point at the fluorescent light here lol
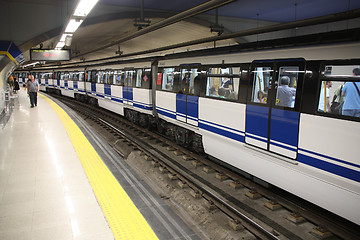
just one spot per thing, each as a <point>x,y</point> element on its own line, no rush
<point>30,64</point>
<point>81,11</point>
<point>60,45</point>
<point>84,7</point>
<point>63,37</point>
<point>73,25</point>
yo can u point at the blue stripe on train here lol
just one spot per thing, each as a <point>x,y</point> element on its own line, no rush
<point>142,106</point>
<point>222,132</point>
<point>330,158</point>
<point>116,99</point>
<point>166,113</point>
<point>329,167</point>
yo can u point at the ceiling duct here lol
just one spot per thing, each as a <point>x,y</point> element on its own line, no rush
<point>166,22</point>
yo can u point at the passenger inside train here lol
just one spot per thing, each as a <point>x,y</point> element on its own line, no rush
<point>285,94</point>
<point>342,92</point>
<point>223,82</point>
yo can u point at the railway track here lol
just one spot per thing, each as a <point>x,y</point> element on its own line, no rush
<point>250,209</point>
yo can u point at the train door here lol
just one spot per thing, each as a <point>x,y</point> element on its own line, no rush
<point>128,94</point>
<point>93,80</point>
<point>187,102</point>
<point>272,112</point>
<point>76,79</point>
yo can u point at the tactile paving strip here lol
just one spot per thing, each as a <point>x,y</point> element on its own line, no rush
<point>125,220</point>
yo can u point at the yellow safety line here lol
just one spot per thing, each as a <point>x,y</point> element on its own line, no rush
<point>125,220</point>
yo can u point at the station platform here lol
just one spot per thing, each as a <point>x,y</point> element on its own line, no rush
<point>59,180</point>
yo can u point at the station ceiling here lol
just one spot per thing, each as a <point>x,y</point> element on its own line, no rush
<point>29,23</point>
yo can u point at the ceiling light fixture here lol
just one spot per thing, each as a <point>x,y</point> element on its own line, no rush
<point>73,25</point>
<point>81,11</point>
<point>60,45</point>
<point>84,7</point>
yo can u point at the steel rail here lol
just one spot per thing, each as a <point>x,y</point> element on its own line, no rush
<point>220,203</point>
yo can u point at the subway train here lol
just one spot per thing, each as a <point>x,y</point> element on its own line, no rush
<point>277,115</point>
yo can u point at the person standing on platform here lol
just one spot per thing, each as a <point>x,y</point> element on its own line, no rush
<point>33,88</point>
<point>16,85</point>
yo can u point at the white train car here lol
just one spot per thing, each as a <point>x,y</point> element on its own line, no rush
<point>121,87</point>
<point>231,107</point>
<point>301,147</point>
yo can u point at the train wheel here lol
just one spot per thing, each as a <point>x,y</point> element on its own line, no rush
<point>196,144</point>
<point>181,135</point>
<point>161,125</point>
<point>143,121</point>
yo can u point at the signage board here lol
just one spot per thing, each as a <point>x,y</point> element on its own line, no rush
<point>50,55</point>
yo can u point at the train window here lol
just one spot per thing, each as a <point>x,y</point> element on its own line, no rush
<point>93,76</point>
<point>324,99</point>
<point>111,77</point>
<point>286,86</point>
<point>261,85</point>
<point>223,82</point>
<point>56,75</point>
<point>189,79</point>
<point>104,77</point>
<point>338,71</point>
<point>146,79</point>
<point>340,92</point>
<point>119,77</point>
<point>107,77</point>
<point>81,76</point>
<point>48,75</point>
<point>87,77</point>
<point>168,78</point>
<point>138,77</point>
<point>130,78</point>
<point>72,76</point>
<point>99,77</point>
<point>116,78</point>
<point>67,76</point>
